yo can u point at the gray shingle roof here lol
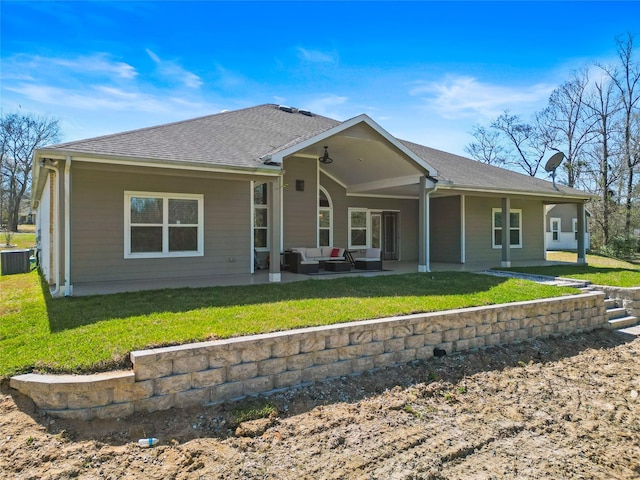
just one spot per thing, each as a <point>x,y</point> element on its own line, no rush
<point>240,138</point>
<point>463,172</point>
<point>237,138</point>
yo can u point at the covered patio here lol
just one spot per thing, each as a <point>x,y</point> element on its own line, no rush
<point>262,277</point>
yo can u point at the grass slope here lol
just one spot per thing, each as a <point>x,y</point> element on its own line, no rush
<point>97,333</point>
<point>599,271</point>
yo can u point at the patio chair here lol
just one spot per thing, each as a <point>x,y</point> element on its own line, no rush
<point>258,262</point>
<point>372,260</point>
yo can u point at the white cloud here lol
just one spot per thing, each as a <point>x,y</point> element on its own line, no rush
<point>457,97</point>
<point>174,72</point>
<point>25,67</point>
<point>315,56</point>
<point>99,63</point>
<point>328,106</point>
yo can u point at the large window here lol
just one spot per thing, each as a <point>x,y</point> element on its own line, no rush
<point>163,225</point>
<point>260,217</point>
<point>325,219</point>
<point>359,221</point>
<point>515,228</point>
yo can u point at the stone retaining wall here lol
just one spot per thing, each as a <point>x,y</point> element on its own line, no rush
<point>217,371</point>
<point>628,298</point>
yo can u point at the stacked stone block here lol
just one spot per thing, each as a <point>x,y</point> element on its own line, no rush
<point>628,298</point>
<point>223,370</point>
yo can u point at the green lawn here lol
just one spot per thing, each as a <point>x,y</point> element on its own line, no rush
<point>20,240</point>
<point>599,271</point>
<point>97,333</point>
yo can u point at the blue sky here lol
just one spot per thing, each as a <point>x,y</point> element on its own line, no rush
<point>425,71</point>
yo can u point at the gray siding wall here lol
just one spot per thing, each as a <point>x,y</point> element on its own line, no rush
<point>445,229</point>
<point>566,212</point>
<point>300,221</point>
<point>408,216</point>
<point>478,230</point>
<point>98,225</point>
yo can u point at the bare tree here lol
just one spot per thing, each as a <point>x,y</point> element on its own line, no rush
<point>525,148</point>
<point>605,169</point>
<point>567,125</point>
<point>487,147</point>
<point>20,135</point>
<point>626,78</point>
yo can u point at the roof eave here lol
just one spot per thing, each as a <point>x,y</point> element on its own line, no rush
<point>529,193</point>
<point>260,168</point>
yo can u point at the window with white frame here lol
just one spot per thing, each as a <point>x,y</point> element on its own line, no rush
<point>359,227</point>
<point>163,225</point>
<point>325,219</point>
<point>515,228</point>
<point>260,217</point>
<point>555,229</point>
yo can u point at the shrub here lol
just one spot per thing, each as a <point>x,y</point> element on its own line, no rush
<point>621,247</point>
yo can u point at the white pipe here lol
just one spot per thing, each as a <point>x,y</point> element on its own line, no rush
<point>56,232</point>
<point>67,227</point>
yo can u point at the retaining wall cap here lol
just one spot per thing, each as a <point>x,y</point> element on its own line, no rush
<point>117,377</point>
<point>150,355</point>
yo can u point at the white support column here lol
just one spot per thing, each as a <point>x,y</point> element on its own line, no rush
<point>506,232</point>
<point>582,251</point>
<point>68,286</point>
<point>423,227</point>
<point>275,193</point>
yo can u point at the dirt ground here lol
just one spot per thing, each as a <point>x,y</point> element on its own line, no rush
<point>561,408</point>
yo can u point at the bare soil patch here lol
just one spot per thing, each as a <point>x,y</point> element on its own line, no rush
<point>564,407</point>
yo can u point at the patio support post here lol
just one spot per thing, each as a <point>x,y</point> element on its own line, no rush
<point>275,193</point>
<point>582,251</point>
<point>423,226</point>
<point>506,232</point>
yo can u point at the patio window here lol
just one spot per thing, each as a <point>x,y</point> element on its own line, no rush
<point>515,228</point>
<point>325,219</point>
<point>163,225</point>
<point>359,227</point>
<point>260,217</point>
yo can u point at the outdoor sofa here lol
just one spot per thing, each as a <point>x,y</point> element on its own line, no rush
<point>309,260</point>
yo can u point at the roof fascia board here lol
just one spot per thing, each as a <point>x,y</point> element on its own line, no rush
<point>565,196</point>
<point>363,118</point>
<point>268,170</point>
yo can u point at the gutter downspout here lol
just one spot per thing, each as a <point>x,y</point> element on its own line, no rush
<point>67,228</point>
<point>56,237</point>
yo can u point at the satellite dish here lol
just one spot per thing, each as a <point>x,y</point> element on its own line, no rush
<point>552,164</point>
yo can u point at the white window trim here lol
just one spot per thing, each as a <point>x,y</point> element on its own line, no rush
<point>559,220</point>
<point>253,218</point>
<point>330,210</point>
<point>493,227</point>
<point>165,224</point>
<point>368,228</point>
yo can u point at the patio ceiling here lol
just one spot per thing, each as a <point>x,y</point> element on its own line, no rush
<point>366,163</point>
